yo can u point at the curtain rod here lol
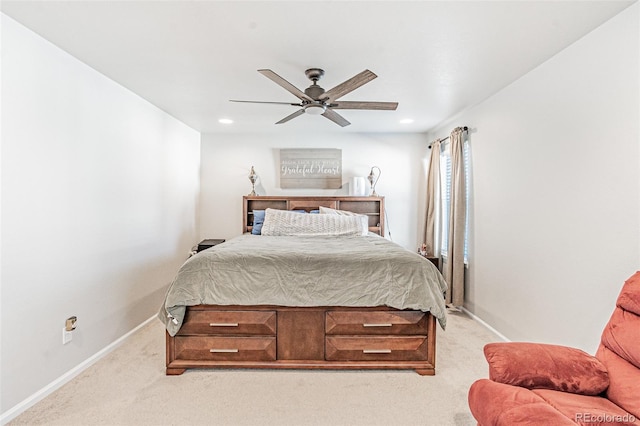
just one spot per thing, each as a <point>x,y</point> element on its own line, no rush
<point>464,129</point>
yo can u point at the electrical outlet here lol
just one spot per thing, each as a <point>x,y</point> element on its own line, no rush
<point>67,336</point>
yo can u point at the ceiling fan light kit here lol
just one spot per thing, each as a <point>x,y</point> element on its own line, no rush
<point>316,101</point>
<point>315,109</point>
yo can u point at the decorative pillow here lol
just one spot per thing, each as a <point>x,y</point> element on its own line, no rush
<point>544,366</point>
<point>280,222</point>
<point>258,220</point>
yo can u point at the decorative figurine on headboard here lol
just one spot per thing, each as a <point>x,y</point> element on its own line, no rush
<point>373,180</point>
<point>253,177</point>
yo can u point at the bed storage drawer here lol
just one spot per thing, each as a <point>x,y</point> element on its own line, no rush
<point>303,337</point>
<point>209,322</point>
<point>378,323</point>
<point>262,348</point>
<point>376,348</point>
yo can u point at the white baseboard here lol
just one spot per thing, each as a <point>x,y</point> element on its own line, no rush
<point>21,407</point>
<point>487,326</point>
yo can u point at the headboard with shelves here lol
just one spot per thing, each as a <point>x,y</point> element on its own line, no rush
<point>373,207</point>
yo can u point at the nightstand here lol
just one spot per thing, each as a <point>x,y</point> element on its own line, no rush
<point>205,244</point>
<point>435,261</point>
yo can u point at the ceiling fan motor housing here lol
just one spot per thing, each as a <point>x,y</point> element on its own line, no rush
<point>314,91</point>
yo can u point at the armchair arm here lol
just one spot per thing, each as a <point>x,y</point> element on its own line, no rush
<point>543,366</point>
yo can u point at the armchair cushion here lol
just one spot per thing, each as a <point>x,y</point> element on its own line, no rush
<point>621,335</point>
<point>498,404</point>
<point>624,379</point>
<point>629,298</point>
<point>543,366</point>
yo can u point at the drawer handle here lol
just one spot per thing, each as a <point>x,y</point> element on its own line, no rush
<point>376,351</point>
<point>223,324</point>
<point>223,351</point>
<point>376,325</point>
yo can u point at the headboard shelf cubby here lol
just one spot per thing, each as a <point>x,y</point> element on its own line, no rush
<point>373,207</point>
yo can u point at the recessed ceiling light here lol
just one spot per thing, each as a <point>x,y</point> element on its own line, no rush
<point>406,121</point>
<point>225,121</point>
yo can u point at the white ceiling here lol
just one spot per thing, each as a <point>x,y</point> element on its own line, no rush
<point>435,58</point>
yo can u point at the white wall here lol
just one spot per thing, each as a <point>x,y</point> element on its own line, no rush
<point>227,160</point>
<point>556,191</point>
<point>99,209</point>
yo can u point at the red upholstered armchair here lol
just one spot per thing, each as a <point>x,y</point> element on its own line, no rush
<point>540,384</point>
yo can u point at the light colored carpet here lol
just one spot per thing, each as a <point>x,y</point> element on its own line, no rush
<point>129,387</point>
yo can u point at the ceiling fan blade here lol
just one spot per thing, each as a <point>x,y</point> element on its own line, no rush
<point>291,116</point>
<point>285,84</point>
<point>335,117</point>
<point>348,86</point>
<point>265,102</point>
<point>365,105</point>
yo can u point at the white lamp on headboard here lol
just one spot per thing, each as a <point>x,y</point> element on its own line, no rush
<point>373,180</point>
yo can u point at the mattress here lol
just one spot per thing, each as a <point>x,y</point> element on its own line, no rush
<point>302,271</point>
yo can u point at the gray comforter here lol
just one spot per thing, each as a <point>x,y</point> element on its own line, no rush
<point>305,271</point>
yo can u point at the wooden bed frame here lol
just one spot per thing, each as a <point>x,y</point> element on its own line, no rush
<point>330,337</point>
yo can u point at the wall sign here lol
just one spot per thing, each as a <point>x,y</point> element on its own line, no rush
<point>318,168</point>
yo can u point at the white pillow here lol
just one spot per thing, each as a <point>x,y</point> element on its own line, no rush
<point>282,222</point>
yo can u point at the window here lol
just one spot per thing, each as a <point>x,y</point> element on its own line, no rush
<point>445,195</point>
<point>466,156</point>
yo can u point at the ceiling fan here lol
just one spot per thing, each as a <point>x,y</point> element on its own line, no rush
<point>316,101</point>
